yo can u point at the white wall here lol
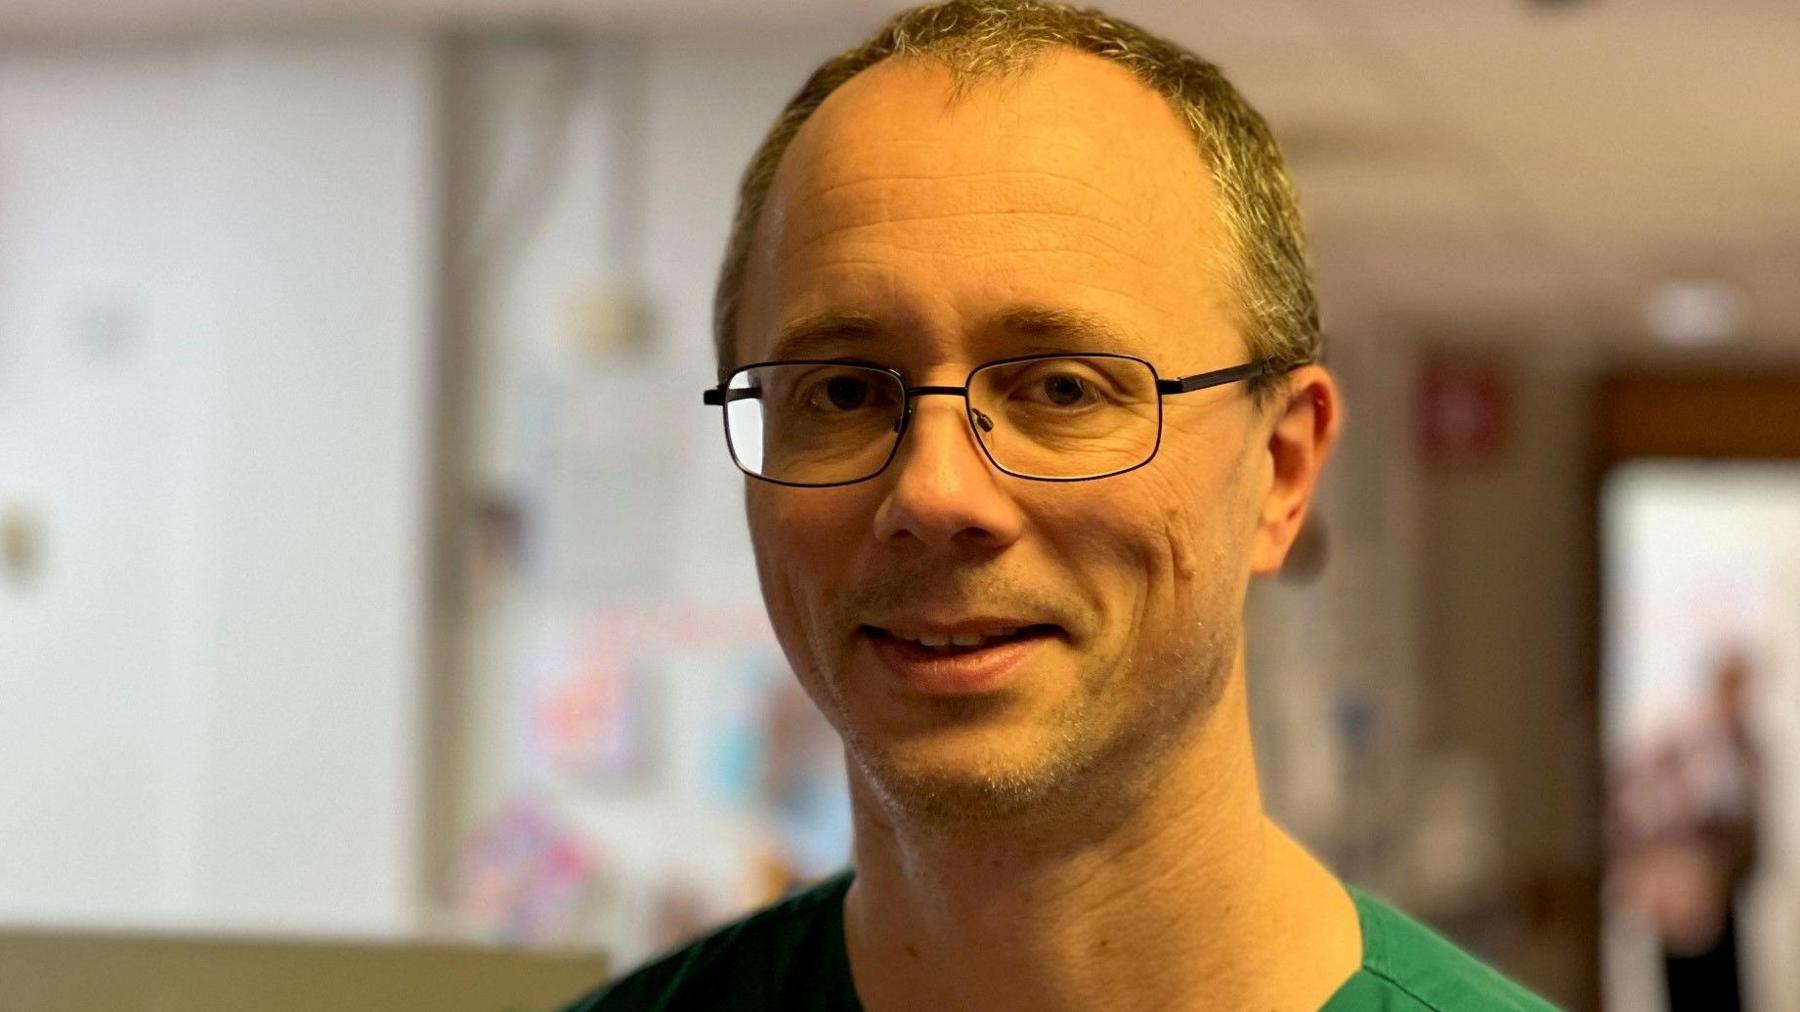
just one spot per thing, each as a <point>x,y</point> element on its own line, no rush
<point>215,316</point>
<point>617,162</point>
<point>213,691</point>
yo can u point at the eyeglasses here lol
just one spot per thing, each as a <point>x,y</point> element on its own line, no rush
<point>816,423</point>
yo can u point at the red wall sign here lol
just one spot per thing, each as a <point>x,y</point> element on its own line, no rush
<point>1462,415</point>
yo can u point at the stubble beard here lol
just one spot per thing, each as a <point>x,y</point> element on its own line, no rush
<point>1101,761</point>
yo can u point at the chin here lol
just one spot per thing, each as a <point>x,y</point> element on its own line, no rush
<point>959,778</point>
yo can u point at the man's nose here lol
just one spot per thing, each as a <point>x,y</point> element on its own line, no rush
<point>942,487</point>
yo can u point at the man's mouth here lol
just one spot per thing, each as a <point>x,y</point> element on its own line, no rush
<point>927,644</point>
<point>974,656</point>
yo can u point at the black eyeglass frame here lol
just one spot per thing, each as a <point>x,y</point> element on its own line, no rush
<point>722,395</point>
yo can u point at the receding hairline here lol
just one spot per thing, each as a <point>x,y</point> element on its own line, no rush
<point>1219,254</point>
<point>967,75</point>
<point>965,84</point>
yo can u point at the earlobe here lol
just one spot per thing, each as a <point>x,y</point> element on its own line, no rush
<point>1304,428</point>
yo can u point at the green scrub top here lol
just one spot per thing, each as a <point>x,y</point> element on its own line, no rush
<point>791,957</point>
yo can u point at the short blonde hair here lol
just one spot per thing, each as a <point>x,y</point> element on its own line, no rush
<point>978,39</point>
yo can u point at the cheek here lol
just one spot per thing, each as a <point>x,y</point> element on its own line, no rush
<point>1193,539</point>
<point>799,550</point>
<point>1161,529</point>
<point>1129,551</point>
<point>1207,514</point>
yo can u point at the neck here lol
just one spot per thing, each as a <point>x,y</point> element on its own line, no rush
<point>1191,899</point>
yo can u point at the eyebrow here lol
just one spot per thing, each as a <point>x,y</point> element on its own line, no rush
<point>1049,327</point>
<point>812,336</point>
<point>1044,329</point>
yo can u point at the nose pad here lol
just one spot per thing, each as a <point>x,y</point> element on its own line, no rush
<point>946,491</point>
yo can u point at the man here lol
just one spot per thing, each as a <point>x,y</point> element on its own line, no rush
<point>1016,591</point>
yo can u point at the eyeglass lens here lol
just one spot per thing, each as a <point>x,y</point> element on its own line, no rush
<point>832,423</point>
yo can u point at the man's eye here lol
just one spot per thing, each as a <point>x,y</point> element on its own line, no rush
<point>842,393</point>
<point>1063,390</point>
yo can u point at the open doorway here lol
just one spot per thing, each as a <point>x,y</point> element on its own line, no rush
<point>1699,523</point>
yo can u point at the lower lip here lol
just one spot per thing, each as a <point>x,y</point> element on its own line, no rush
<point>984,670</point>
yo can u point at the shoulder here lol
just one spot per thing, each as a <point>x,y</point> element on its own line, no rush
<point>748,963</point>
<point>1407,967</point>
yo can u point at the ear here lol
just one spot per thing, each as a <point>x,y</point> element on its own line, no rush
<point>1302,426</point>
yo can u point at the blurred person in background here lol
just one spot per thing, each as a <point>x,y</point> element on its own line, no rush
<point>1684,828</point>
<point>1018,346</point>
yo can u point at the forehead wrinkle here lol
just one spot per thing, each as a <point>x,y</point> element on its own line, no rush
<point>1006,190</point>
<point>1126,210</point>
<point>791,249</point>
<point>1098,258</point>
<point>845,234</point>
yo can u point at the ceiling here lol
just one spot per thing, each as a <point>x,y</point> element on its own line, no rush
<point>1526,173</point>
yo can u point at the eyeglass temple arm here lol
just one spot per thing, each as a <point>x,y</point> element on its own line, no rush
<point>718,395</point>
<point>1220,377</point>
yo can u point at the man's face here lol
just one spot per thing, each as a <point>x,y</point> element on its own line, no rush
<point>1074,189</point>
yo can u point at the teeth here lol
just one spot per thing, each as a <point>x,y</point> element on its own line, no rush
<point>960,639</point>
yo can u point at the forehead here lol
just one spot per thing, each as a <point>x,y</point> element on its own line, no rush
<point>1071,188</point>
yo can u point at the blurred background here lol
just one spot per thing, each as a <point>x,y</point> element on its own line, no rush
<point>378,626</point>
